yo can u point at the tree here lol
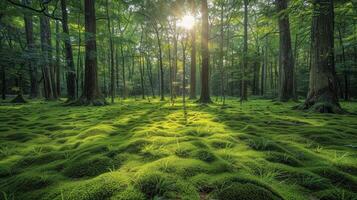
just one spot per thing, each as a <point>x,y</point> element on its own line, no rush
<point>193,56</point>
<point>91,94</point>
<point>243,92</point>
<point>322,95</point>
<point>46,48</point>
<point>111,47</point>
<point>287,91</point>
<point>30,46</point>
<point>71,73</point>
<point>205,94</point>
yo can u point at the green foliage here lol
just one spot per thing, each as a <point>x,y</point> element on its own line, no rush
<point>140,150</point>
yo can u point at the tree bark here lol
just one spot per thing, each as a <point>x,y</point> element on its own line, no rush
<point>3,79</point>
<point>162,97</point>
<point>111,47</point>
<point>71,71</point>
<point>193,56</point>
<point>45,47</point>
<point>322,95</point>
<point>205,93</point>
<point>58,63</point>
<point>243,92</point>
<point>30,46</point>
<point>286,61</point>
<point>91,93</point>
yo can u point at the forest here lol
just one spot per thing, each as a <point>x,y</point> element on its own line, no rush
<point>178,100</point>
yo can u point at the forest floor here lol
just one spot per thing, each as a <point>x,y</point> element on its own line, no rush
<point>140,150</point>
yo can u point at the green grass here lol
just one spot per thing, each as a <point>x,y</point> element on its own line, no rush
<point>137,150</point>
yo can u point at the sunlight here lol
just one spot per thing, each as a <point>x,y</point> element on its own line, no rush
<point>187,22</point>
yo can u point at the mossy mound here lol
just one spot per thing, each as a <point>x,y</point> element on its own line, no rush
<point>336,194</point>
<point>99,188</point>
<point>283,158</point>
<point>204,155</point>
<point>129,193</point>
<point>139,150</point>
<point>245,191</point>
<point>159,185</point>
<point>89,167</point>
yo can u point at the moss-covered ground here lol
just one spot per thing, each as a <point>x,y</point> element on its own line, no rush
<point>135,150</point>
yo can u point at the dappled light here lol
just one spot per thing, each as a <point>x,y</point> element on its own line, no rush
<point>178,100</point>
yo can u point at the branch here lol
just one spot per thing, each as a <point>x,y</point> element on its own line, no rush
<point>42,10</point>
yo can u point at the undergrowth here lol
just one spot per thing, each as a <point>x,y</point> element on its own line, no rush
<point>136,150</point>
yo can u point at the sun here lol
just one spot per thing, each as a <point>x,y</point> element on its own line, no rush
<point>187,22</point>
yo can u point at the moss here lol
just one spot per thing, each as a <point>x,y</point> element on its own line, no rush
<point>262,144</point>
<point>81,167</point>
<point>204,155</point>
<point>129,193</point>
<point>336,194</point>
<point>29,181</point>
<point>283,158</point>
<point>99,188</point>
<point>105,152</point>
<point>135,146</point>
<point>247,191</point>
<point>160,185</point>
<point>337,178</point>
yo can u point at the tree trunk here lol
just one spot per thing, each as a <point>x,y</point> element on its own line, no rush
<point>322,95</point>
<point>205,93</point>
<point>31,45</point>
<point>286,60</point>
<point>71,71</point>
<point>111,47</point>
<point>244,95</point>
<point>58,63</point>
<point>346,71</point>
<point>91,93</point>
<point>3,79</point>
<point>193,56</point>
<point>45,47</point>
<point>123,71</point>
<point>149,71</point>
<point>162,97</point>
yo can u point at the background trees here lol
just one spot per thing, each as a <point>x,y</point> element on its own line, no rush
<point>255,48</point>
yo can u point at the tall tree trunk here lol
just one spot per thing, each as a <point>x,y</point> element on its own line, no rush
<point>149,71</point>
<point>111,47</point>
<point>174,78</point>
<point>45,47</point>
<point>205,93</point>
<point>286,59</point>
<point>123,71</point>
<point>244,95</point>
<point>30,46</point>
<point>58,63</point>
<point>91,93</point>
<point>346,71</point>
<point>221,53</point>
<point>162,97</point>
<point>322,95</point>
<point>193,56</point>
<point>71,71</point>
<point>3,80</point>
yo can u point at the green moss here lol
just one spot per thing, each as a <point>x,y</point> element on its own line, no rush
<point>30,181</point>
<point>99,188</point>
<point>81,167</point>
<point>204,155</point>
<point>129,193</point>
<point>283,158</point>
<point>160,185</point>
<point>140,150</point>
<point>336,194</point>
<point>247,191</point>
